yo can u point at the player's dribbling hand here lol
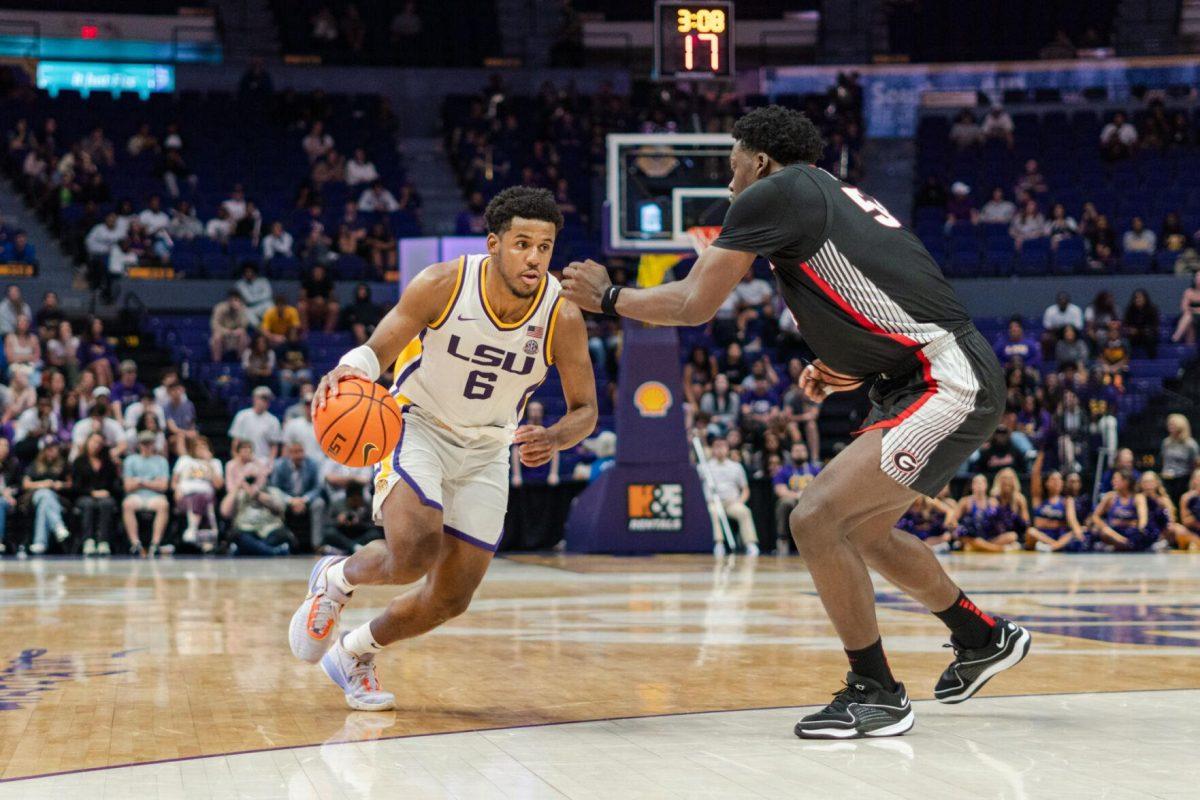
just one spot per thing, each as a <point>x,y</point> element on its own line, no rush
<point>535,444</point>
<point>328,387</point>
<point>584,284</point>
<point>818,381</point>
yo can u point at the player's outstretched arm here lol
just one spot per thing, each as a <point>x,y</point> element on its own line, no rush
<point>691,301</point>
<point>570,353</point>
<point>421,303</point>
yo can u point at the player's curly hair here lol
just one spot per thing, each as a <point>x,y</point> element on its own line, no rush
<point>525,202</point>
<point>784,134</point>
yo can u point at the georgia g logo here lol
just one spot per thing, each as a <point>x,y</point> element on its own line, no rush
<point>905,461</point>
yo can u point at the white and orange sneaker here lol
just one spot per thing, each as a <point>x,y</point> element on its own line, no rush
<point>314,625</point>
<point>356,675</point>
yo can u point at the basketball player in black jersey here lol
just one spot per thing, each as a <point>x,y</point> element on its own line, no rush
<point>873,306</point>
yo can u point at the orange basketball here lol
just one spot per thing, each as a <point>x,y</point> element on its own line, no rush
<point>360,425</point>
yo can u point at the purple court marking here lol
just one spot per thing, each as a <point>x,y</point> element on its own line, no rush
<point>507,728</point>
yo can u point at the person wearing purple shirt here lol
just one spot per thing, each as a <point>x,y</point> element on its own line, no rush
<point>1015,343</point>
<point>127,389</point>
<point>759,401</point>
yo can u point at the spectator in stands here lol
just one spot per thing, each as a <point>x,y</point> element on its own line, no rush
<point>292,362</point>
<point>698,373</point>
<point>317,143</point>
<point>998,125</point>
<point>242,470</point>
<point>1061,226</point>
<point>147,479</point>
<point>1057,316</point>
<point>22,347</point>
<point>173,169</point>
<point>34,423</point>
<point>99,420</point>
<point>960,207</point>
<point>1103,244</point>
<point>999,452</point>
<point>278,242</point>
<point>352,231</point>
<point>220,227</point>
<point>95,353</point>
<point>1139,238</point>
<point>733,490</point>
<point>1141,323</point>
<point>1029,224</point>
<point>1031,183</point>
<point>12,308</point>
<point>21,395</point>
<point>349,510</point>
<point>255,289</point>
<point>1113,357</point>
<point>50,315</point>
<point>317,247</point>
<point>184,225</point>
<point>998,210</point>
<point>1179,454</point>
<point>20,251</point>
<point>1189,307</point>
<point>470,221</point>
<point>195,481</point>
<point>228,324</point>
<point>362,315</point>
<point>360,169</point>
<point>377,198</point>
<point>1014,342</point>
<point>1058,48</point>
<point>382,250</point>
<point>180,415</point>
<point>9,472</point>
<point>329,168</point>
<point>317,305</point>
<point>1070,350</point>
<point>143,141</point>
<point>1173,237</point>
<point>258,426</point>
<point>1118,138</point>
<point>43,487</point>
<point>297,477</point>
<point>127,390</point>
<point>258,528</point>
<point>258,363</point>
<point>965,133</point>
<point>153,219</point>
<point>95,481</point>
<point>789,483</point>
<point>298,427</point>
<point>278,320</point>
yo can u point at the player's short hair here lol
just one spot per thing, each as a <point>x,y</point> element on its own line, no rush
<point>525,202</point>
<point>784,134</point>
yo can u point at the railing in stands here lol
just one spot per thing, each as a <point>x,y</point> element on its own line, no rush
<point>24,27</point>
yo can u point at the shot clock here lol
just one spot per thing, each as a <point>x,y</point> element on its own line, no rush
<point>693,40</point>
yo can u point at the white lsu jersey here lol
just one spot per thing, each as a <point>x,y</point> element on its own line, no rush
<point>472,372</point>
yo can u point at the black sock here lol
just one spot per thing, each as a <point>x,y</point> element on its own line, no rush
<point>870,662</point>
<point>969,626</point>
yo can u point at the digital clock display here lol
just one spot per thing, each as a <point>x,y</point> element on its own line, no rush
<point>693,40</point>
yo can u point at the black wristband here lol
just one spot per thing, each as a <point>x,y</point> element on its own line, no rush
<point>608,303</point>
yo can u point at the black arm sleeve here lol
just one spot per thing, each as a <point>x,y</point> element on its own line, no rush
<point>770,217</point>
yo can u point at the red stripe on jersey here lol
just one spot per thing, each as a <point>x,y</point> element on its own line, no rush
<point>861,319</point>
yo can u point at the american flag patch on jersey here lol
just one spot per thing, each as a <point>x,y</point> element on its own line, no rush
<point>535,331</point>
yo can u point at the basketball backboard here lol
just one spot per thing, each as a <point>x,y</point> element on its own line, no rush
<point>661,184</point>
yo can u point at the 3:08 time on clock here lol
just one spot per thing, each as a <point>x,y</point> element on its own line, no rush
<point>693,40</point>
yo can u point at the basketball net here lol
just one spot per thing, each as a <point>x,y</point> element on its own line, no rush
<point>702,236</point>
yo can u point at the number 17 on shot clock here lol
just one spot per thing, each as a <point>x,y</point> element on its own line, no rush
<point>693,40</point>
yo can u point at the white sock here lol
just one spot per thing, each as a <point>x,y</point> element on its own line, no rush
<point>337,576</point>
<point>360,642</point>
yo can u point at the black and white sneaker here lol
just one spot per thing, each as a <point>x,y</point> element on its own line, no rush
<point>973,667</point>
<point>861,708</point>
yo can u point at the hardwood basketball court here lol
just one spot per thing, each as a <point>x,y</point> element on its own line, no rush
<point>112,664</point>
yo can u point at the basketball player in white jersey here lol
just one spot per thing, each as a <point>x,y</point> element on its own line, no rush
<point>472,339</point>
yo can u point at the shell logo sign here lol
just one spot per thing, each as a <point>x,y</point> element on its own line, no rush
<point>652,399</point>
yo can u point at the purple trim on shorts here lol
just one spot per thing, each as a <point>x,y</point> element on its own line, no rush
<point>404,474</point>
<point>469,539</point>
